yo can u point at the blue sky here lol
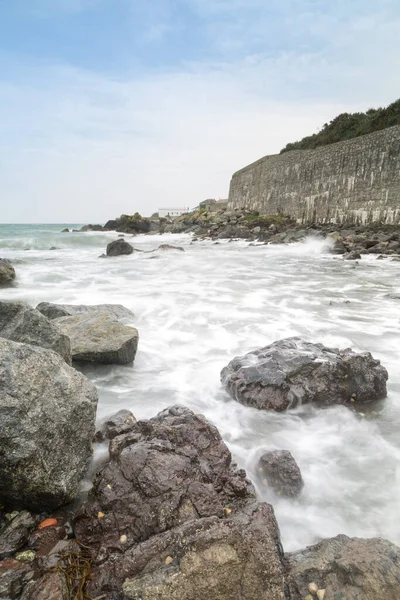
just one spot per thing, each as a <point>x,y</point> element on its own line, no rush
<point>112,106</point>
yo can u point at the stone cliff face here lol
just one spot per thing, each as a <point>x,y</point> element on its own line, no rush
<point>357,181</point>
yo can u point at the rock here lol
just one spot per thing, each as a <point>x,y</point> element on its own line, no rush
<point>7,272</point>
<point>52,586</point>
<point>169,247</point>
<point>91,228</point>
<point>66,230</point>
<point>170,517</point>
<point>338,247</point>
<point>15,534</point>
<point>122,422</point>
<point>55,311</point>
<point>96,337</point>
<point>119,247</point>
<point>344,567</point>
<point>26,556</point>
<point>20,322</point>
<point>14,576</point>
<point>111,225</point>
<point>47,422</point>
<point>353,255</point>
<point>291,372</point>
<point>281,472</point>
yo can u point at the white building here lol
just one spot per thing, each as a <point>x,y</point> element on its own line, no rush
<point>172,212</point>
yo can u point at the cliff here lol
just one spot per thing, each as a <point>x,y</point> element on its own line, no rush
<point>356,181</point>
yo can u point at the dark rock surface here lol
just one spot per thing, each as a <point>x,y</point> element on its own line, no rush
<point>291,372</point>
<point>20,322</point>
<point>47,422</point>
<point>97,337</point>
<point>122,422</point>
<point>14,576</point>
<point>279,470</point>
<point>51,586</point>
<point>55,311</point>
<point>347,569</point>
<point>7,272</point>
<point>170,517</point>
<point>15,533</point>
<point>91,228</point>
<point>119,247</point>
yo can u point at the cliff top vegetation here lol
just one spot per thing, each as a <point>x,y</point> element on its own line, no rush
<point>350,125</point>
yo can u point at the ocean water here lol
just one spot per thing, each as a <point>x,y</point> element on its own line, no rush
<point>196,310</point>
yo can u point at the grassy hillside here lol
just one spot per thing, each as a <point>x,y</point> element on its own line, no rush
<point>350,125</point>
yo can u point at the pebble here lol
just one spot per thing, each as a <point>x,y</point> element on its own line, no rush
<point>100,515</point>
<point>313,588</point>
<point>123,539</point>
<point>227,511</point>
<point>321,594</point>
<point>26,556</point>
<point>309,597</point>
<point>48,523</point>
<point>169,560</point>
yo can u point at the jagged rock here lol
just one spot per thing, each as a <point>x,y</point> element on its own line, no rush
<point>7,272</point>
<point>20,322</point>
<point>291,372</point>
<point>170,517</point>
<point>96,337</point>
<point>122,422</point>
<point>14,576</point>
<point>279,470</point>
<point>347,568</point>
<point>15,533</point>
<point>353,255</point>
<point>47,422</point>
<point>55,311</point>
<point>119,247</point>
<point>52,586</point>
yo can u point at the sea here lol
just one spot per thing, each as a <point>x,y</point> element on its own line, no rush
<point>196,310</point>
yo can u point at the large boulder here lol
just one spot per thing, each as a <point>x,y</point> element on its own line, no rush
<point>7,272</point>
<point>97,337</point>
<point>47,421</point>
<point>119,247</point>
<point>347,569</point>
<point>55,311</point>
<point>20,322</point>
<point>170,517</point>
<point>279,470</point>
<point>292,372</point>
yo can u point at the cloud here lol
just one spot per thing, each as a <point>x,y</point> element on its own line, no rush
<point>83,146</point>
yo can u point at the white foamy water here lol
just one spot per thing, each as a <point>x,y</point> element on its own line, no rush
<point>196,310</point>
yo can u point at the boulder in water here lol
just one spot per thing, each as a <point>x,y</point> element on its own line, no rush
<point>353,255</point>
<point>55,311</point>
<point>22,323</point>
<point>346,568</point>
<point>7,272</point>
<point>166,247</point>
<point>290,372</point>
<point>47,422</point>
<point>170,517</point>
<point>279,470</point>
<point>97,337</point>
<point>119,247</point>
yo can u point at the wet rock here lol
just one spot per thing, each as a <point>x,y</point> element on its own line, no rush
<point>166,247</point>
<point>344,567</point>
<point>55,311</point>
<point>119,247</point>
<point>15,533</point>
<point>20,322</point>
<point>47,421</point>
<point>97,337</point>
<point>170,517</point>
<point>7,272</point>
<point>291,372</point>
<point>279,470</point>
<point>91,228</point>
<point>66,230</point>
<point>122,422</point>
<point>339,247</point>
<point>353,255</point>
<point>14,576</point>
<point>52,586</point>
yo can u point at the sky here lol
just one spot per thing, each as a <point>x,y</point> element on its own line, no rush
<point>117,106</point>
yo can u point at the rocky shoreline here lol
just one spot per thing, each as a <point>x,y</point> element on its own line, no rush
<point>348,240</point>
<point>169,515</point>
